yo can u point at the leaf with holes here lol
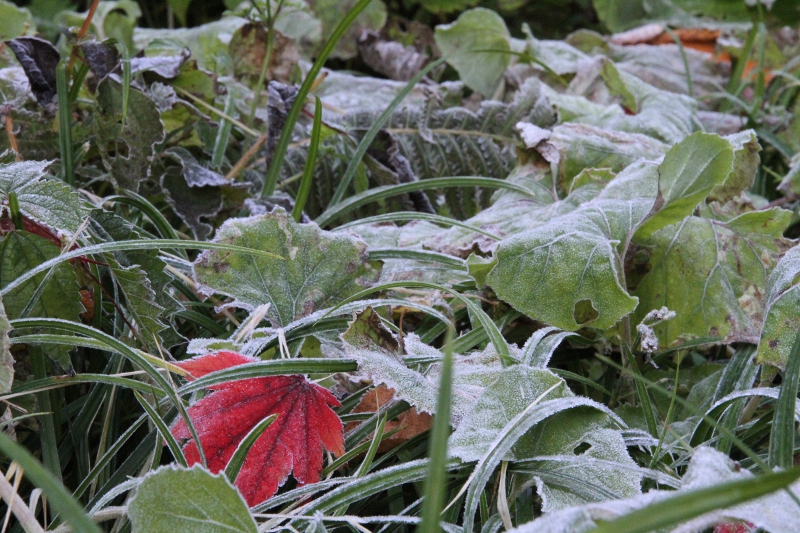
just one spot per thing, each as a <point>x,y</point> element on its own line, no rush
<point>293,443</point>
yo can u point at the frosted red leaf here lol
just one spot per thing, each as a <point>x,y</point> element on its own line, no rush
<point>733,527</point>
<point>293,443</point>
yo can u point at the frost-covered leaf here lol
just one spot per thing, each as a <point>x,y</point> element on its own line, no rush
<point>745,166</point>
<point>576,147</point>
<point>39,59</point>
<point>141,279</point>
<point>774,513</point>
<point>579,456</point>
<point>713,275</point>
<point>690,170</point>
<point>174,499</point>
<point>194,191</point>
<point>781,305</point>
<point>662,115</point>
<point>293,443</point>
<point>6,359</point>
<point>317,269</point>
<point>46,201</point>
<point>512,213</point>
<point>515,389</point>
<point>21,251</point>
<point>380,359</point>
<point>574,256</point>
<point>476,44</point>
<point>127,149</point>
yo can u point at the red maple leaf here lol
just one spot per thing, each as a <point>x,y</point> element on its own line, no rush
<point>293,443</point>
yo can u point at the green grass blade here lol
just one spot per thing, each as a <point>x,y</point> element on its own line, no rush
<point>436,481</point>
<point>223,133</point>
<point>410,216</point>
<point>48,434</point>
<point>782,437</point>
<point>153,244</point>
<point>57,495</point>
<point>365,465</point>
<point>300,100</point>
<point>172,444</point>
<point>486,322</point>
<point>678,509</point>
<point>372,132</point>
<point>109,456</point>
<point>644,397</point>
<point>126,83</point>
<point>275,367</point>
<point>417,255</point>
<point>238,457</point>
<point>161,223</point>
<point>13,208</point>
<point>64,124</point>
<point>118,346</point>
<point>311,160</point>
<point>387,191</point>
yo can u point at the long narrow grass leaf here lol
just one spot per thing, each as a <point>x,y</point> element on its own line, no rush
<point>237,459</point>
<point>300,100</point>
<point>387,191</point>
<point>782,436</point>
<point>436,481</point>
<point>57,495</point>
<point>688,505</point>
<point>311,160</point>
<point>372,132</point>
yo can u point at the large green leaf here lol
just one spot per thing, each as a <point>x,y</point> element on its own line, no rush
<point>713,275</point>
<point>690,170</point>
<point>567,273</point>
<point>477,46</point>
<point>46,201</point>
<point>6,359</point>
<point>579,456</point>
<point>576,147</point>
<point>16,21</point>
<point>20,251</point>
<point>318,269</point>
<point>188,499</point>
<point>782,319</point>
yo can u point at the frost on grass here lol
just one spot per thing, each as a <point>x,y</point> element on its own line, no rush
<point>318,268</point>
<point>774,513</point>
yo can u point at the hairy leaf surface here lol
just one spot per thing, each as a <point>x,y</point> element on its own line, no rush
<point>318,268</point>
